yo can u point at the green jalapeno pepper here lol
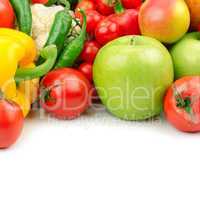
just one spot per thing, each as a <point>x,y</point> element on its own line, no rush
<point>60,28</point>
<point>23,14</point>
<point>72,51</point>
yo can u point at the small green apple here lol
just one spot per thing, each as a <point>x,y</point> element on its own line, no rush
<point>131,75</point>
<point>186,55</point>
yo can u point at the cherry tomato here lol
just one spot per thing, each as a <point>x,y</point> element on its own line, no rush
<point>90,51</point>
<point>182,104</point>
<point>105,7</point>
<point>40,1</point>
<point>85,5</point>
<point>65,93</point>
<point>131,3</point>
<point>93,18</point>
<point>11,123</point>
<point>7,16</point>
<point>86,69</point>
<point>106,31</point>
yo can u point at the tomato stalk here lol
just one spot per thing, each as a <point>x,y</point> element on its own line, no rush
<point>181,102</point>
<point>118,7</point>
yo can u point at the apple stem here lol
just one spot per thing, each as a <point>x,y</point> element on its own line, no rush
<point>132,41</point>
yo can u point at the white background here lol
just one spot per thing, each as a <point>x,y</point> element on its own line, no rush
<point>98,157</point>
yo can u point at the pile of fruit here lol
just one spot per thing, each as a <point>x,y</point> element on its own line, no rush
<point>138,58</point>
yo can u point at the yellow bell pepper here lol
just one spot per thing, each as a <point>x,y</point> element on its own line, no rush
<point>17,55</point>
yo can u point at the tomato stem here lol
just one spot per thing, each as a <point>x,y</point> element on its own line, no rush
<point>182,102</point>
<point>119,7</point>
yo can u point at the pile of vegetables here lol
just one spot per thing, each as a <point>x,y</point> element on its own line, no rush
<point>61,55</point>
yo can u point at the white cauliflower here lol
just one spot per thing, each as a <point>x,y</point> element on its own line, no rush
<point>43,18</point>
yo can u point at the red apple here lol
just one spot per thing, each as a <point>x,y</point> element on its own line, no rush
<point>165,20</point>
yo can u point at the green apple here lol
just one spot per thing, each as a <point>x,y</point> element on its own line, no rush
<point>131,75</point>
<point>186,55</point>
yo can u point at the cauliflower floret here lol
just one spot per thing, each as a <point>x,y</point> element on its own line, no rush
<point>43,18</point>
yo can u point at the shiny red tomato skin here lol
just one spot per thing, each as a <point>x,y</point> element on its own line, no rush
<point>177,116</point>
<point>93,18</point>
<point>7,16</point>
<point>106,31</point>
<point>40,1</point>
<point>104,7</point>
<point>129,4</point>
<point>85,5</point>
<point>116,25</point>
<point>86,69</point>
<point>11,123</point>
<point>128,21</point>
<point>90,51</point>
<point>68,93</point>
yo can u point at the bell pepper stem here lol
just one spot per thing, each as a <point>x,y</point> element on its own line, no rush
<point>49,53</point>
<point>65,3</point>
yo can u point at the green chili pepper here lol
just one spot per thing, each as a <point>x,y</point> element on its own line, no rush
<point>59,30</point>
<point>23,15</point>
<point>49,53</point>
<point>72,51</point>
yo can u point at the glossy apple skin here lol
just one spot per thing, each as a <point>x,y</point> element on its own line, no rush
<point>194,7</point>
<point>131,75</point>
<point>186,55</point>
<point>165,20</point>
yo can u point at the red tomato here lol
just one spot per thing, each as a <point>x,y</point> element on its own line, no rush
<point>131,3</point>
<point>116,25</point>
<point>90,51</point>
<point>128,21</point>
<point>7,16</point>
<point>40,1</point>
<point>11,123</point>
<point>182,104</point>
<point>85,5</point>
<point>65,93</point>
<point>106,31</point>
<point>105,7</point>
<point>93,18</point>
<point>86,69</point>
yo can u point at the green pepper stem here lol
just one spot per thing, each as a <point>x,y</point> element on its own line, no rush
<point>65,3</point>
<point>49,53</point>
